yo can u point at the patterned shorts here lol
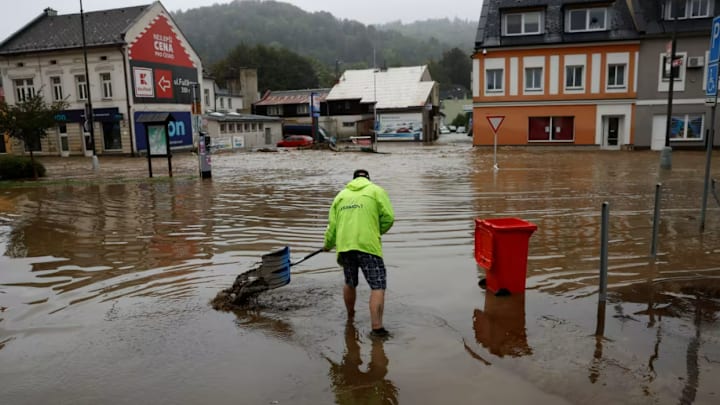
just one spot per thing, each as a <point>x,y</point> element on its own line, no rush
<point>372,266</point>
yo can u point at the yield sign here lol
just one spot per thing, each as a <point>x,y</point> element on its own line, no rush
<point>495,121</point>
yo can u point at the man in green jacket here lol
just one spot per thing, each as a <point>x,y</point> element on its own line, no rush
<point>359,214</point>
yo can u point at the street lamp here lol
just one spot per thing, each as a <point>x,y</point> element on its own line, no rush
<point>89,112</point>
<point>666,154</point>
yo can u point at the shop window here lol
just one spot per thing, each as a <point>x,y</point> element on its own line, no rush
<point>111,135</point>
<point>548,129</point>
<point>686,127</point>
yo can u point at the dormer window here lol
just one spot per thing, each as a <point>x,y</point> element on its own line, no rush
<point>684,9</point>
<point>525,23</point>
<point>586,19</point>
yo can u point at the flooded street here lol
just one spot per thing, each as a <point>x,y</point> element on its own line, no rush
<point>105,286</point>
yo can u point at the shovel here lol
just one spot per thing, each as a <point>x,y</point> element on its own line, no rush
<point>274,272</point>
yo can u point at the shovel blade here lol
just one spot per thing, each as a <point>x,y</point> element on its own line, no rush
<point>275,268</point>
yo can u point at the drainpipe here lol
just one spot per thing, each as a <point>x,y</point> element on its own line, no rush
<point>128,95</point>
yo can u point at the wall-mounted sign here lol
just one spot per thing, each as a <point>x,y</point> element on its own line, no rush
<point>162,69</point>
<point>179,131</point>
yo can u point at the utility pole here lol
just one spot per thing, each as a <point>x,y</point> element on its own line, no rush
<point>89,110</point>
<point>666,154</point>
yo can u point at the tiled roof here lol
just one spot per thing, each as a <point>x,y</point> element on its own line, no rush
<point>489,35</point>
<point>400,87</point>
<point>52,32</point>
<point>292,97</point>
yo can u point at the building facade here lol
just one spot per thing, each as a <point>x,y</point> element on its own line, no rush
<point>138,62</point>
<point>559,72</point>
<point>690,116</point>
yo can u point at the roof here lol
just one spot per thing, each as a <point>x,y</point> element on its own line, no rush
<point>154,117</point>
<point>292,97</point>
<point>400,87</point>
<point>238,117</point>
<point>649,20</point>
<point>52,32</point>
<point>621,25</point>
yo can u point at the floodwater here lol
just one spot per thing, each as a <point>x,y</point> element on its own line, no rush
<point>105,286</point>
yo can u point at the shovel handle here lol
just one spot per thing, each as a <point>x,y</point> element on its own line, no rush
<point>307,257</point>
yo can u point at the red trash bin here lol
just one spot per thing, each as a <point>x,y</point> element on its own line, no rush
<point>501,247</point>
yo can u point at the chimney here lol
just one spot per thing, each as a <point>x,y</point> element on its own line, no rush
<point>50,12</point>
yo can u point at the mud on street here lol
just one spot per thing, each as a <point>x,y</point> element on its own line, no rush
<point>105,286</point>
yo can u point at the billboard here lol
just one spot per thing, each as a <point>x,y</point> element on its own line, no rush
<point>162,69</point>
<point>399,127</point>
<point>179,131</point>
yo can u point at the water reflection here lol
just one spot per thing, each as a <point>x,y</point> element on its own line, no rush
<point>500,327</point>
<point>351,384</point>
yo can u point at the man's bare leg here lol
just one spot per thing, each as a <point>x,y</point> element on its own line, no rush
<point>349,297</point>
<point>377,304</point>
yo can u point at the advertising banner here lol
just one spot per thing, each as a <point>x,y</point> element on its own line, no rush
<point>399,127</point>
<point>162,69</point>
<point>179,131</point>
<point>158,141</point>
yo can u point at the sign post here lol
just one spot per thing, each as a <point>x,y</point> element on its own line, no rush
<point>495,122</point>
<point>711,90</point>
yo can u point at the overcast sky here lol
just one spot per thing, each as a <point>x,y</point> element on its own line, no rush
<point>17,13</point>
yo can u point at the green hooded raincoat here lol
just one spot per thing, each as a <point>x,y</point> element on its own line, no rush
<point>360,213</point>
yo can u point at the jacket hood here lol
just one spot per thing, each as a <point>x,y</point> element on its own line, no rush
<point>358,184</point>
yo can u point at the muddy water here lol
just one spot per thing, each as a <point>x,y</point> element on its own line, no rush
<point>104,287</point>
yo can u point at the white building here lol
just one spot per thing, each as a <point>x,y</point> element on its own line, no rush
<point>138,62</point>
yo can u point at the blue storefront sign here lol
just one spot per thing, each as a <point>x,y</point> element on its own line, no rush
<point>99,115</point>
<point>179,130</point>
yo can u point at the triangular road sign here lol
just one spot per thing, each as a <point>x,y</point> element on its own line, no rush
<point>495,121</point>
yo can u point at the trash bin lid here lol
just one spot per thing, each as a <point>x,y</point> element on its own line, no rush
<point>509,224</point>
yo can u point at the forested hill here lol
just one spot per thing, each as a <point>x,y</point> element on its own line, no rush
<point>215,30</point>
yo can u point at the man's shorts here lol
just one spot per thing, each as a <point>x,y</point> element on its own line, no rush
<point>373,268</point>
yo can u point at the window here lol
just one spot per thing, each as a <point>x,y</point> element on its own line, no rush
<point>586,19</point>
<point>686,127</point>
<point>551,129</point>
<point>523,23</point>
<point>81,85</point>
<point>348,124</point>
<point>230,103</point>
<point>303,109</point>
<point>274,110</point>
<point>246,127</point>
<point>222,103</point>
<point>574,77</point>
<point>206,95</point>
<point>533,79</point>
<point>675,69</point>
<point>62,133</point>
<point>494,80</point>
<point>223,128</point>
<point>685,9</point>
<point>616,76</point>
<point>24,89</point>
<point>106,81</point>
<point>57,91</point>
<point>111,135</point>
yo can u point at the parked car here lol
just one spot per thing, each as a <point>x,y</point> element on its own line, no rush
<point>444,130</point>
<point>294,141</point>
<point>452,128</point>
<point>460,130</point>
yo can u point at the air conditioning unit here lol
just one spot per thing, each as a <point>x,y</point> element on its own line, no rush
<point>696,62</point>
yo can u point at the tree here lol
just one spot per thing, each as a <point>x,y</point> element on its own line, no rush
<point>28,121</point>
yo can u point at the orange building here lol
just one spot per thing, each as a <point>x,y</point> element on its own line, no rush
<point>559,74</point>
